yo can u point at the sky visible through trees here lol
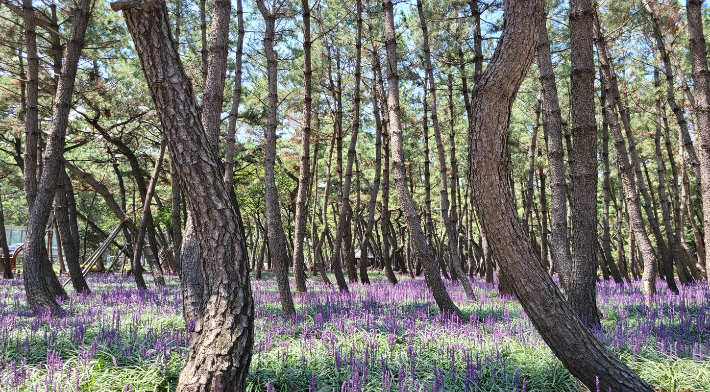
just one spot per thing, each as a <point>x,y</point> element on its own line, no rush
<point>415,195</point>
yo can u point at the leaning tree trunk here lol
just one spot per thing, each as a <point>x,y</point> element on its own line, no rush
<point>299,234</point>
<point>68,231</point>
<point>347,180</point>
<point>577,348</point>
<point>423,251</point>
<point>583,164</point>
<point>552,129</point>
<point>140,238</point>
<point>648,257</point>
<point>277,237</point>
<point>220,353</point>
<point>451,230</point>
<point>41,283</point>
<point>678,110</point>
<point>701,79</point>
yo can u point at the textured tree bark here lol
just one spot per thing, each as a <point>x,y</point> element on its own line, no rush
<point>606,184</point>
<point>41,283</point>
<point>6,268</point>
<point>423,251</point>
<point>701,79</point>
<point>32,135</point>
<point>220,353</point>
<point>451,230</point>
<point>552,128</point>
<point>68,231</point>
<point>583,164</point>
<point>216,71</point>
<point>277,237</point>
<point>585,357</point>
<point>299,265</point>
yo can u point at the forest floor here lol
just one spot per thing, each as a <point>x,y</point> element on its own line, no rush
<point>378,337</point>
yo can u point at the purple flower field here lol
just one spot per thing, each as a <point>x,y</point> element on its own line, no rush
<point>378,337</point>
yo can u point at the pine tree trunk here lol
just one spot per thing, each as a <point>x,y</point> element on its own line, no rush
<point>552,128</point>
<point>277,237</point>
<point>212,365</point>
<point>41,283</point>
<point>583,164</point>
<point>678,110</point>
<point>577,348</point>
<point>304,169</point>
<point>68,231</point>
<point>701,80</point>
<point>140,238</point>
<point>6,268</point>
<point>423,251</point>
<point>451,230</point>
<point>340,234</point>
<point>648,257</point>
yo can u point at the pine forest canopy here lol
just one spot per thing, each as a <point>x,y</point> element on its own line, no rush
<point>515,141</point>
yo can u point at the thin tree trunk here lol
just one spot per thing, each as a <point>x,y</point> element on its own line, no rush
<point>68,231</point>
<point>176,219</point>
<point>424,252</point>
<point>452,233</point>
<point>140,239</point>
<point>6,267</point>
<point>236,99</point>
<point>678,110</point>
<point>304,169</point>
<point>345,190</point>
<point>636,223</point>
<point>277,237</point>
<point>606,184</point>
<point>552,128</point>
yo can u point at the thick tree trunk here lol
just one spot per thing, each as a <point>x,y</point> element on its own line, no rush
<point>701,80</point>
<point>423,251</point>
<point>299,266</point>
<point>277,237</point>
<point>68,231</point>
<point>585,357</point>
<point>451,230</point>
<point>552,128</point>
<point>41,283</point>
<point>220,353</point>
<point>583,164</point>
